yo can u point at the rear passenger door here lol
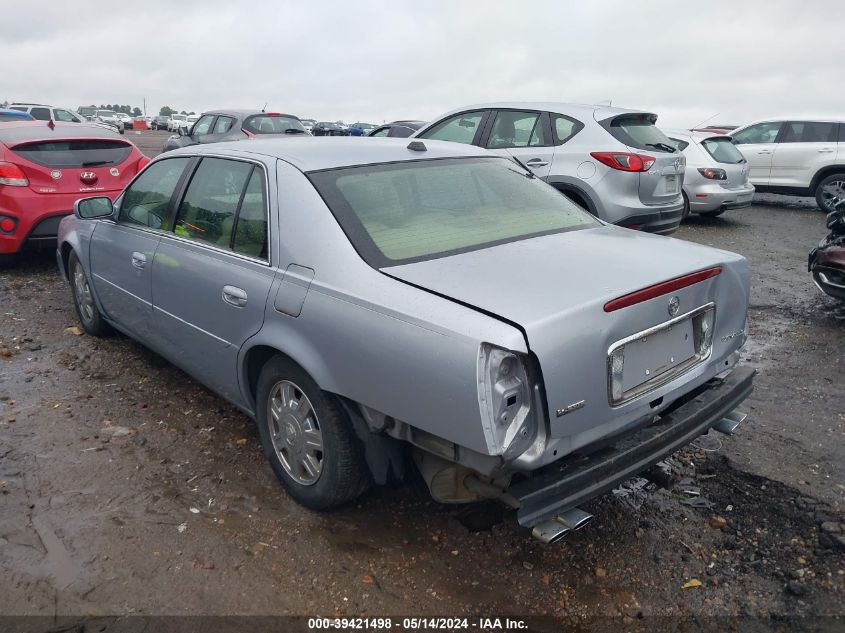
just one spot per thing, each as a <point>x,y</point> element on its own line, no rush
<point>757,144</point>
<point>803,148</point>
<point>524,134</point>
<point>212,274</point>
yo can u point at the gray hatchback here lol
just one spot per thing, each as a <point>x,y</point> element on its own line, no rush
<point>216,126</point>
<point>378,305</point>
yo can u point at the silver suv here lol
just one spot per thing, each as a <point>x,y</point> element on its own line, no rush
<point>613,162</point>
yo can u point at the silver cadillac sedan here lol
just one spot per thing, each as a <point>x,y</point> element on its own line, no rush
<point>378,305</point>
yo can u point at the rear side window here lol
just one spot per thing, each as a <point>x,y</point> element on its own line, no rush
<point>565,128</point>
<point>517,129</point>
<point>267,124</point>
<point>207,212</point>
<point>42,114</point>
<point>399,131</point>
<point>251,224</point>
<point>460,128</point>
<point>639,131</point>
<point>95,153</point>
<point>145,201</point>
<point>681,145</point>
<point>223,124</point>
<point>809,132</point>
<point>381,132</point>
<point>723,151</point>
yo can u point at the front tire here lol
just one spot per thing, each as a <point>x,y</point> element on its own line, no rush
<point>308,438</point>
<point>830,192</point>
<point>83,300</point>
<point>685,213</point>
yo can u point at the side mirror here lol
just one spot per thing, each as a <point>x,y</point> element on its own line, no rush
<point>93,208</point>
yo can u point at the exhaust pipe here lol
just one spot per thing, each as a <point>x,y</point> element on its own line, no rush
<point>556,528</point>
<point>728,424</point>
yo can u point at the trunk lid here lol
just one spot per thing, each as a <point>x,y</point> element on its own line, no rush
<point>725,155</point>
<point>555,288</point>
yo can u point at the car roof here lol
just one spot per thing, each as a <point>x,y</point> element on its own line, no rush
<point>23,131</point>
<point>319,153</point>
<point>598,112</point>
<point>825,118</point>
<point>246,112</point>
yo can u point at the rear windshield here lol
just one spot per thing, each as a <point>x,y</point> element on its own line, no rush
<point>640,132</point>
<point>96,153</point>
<point>265,124</point>
<point>405,212</point>
<point>723,151</point>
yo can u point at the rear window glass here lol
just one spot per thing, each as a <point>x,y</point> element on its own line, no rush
<point>414,211</point>
<point>640,132</point>
<point>723,151</point>
<point>75,153</point>
<point>264,124</point>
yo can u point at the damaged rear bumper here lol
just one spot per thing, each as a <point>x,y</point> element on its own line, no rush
<point>577,479</point>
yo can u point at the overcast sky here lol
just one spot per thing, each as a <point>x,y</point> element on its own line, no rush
<point>724,61</point>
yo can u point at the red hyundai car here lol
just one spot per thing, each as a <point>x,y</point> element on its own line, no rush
<point>45,167</point>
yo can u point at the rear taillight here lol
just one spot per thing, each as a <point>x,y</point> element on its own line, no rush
<point>143,162</point>
<point>713,173</point>
<point>12,175</point>
<point>7,224</point>
<point>662,288</point>
<point>624,161</point>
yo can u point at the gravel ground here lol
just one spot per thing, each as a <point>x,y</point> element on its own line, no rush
<point>127,488</point>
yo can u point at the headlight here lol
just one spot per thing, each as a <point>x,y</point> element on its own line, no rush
<point>504,398</point>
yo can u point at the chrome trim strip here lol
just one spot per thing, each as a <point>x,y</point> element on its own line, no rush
<point>665,377</point>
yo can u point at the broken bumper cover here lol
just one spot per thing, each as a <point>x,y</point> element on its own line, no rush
<point>577,479</point>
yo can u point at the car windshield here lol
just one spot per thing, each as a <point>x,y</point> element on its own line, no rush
<point>722,150</point>
<point>178,117</point>
<point>273,124</point>
<point>405,212</point>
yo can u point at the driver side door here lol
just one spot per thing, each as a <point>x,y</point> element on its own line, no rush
<point>122,249</point>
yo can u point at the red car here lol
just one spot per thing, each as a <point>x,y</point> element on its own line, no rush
<point>45,167</point>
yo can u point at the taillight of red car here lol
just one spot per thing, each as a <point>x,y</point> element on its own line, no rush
<point>12,175</point>
<point>624,161</point>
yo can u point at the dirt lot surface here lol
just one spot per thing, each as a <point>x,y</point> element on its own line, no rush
<point>127,488</point>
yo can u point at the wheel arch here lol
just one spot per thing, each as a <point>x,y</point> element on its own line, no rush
<point>577,194</point>
<point>823,173</point>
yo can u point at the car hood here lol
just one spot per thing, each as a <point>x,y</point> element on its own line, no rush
<point>529,281</point>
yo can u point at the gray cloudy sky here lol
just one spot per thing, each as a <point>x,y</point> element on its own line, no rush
<point>375,61</point>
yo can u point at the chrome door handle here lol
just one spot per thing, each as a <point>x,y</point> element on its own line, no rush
<point>139,260</point>
<point>536,162</point>
<point>764,151</point>
<point>234,296</point>
<point>825,150</point>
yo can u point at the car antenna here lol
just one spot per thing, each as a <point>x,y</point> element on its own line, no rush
<point>710,118</point>
<point>265,106</point>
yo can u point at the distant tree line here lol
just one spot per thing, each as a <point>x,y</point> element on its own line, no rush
<point>136,111</point>
<point>167,111</point>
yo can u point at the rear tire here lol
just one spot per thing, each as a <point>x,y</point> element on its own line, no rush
<point>83,299</point>
<point>829,191</point>
<point>308,438</point>
<point>711,214</point>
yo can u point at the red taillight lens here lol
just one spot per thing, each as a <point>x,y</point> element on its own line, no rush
<point>12,175</point>
<point>143,162</point>
<point>662,288</point>
<point>713,173</point>
<point>624,161</point>
<point>7,224</point>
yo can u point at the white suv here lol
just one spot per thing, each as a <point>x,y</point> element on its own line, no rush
<point>41,112</point>
<point>613,162</point>
<point>796,156</point>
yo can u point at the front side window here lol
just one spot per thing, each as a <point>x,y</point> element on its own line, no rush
<point>223,124</point>
<point>517,129</point>
<point>809,132</point>
<point>201,127</point>
<point>64,115</point>
<point>460,128</point>
<point>42,114</point>
<point>207,212</point>
<point>146,200</point>
<point>759,133</point>
<point>381,132</point>
<point>400,213</point>
<point>723,151</point>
